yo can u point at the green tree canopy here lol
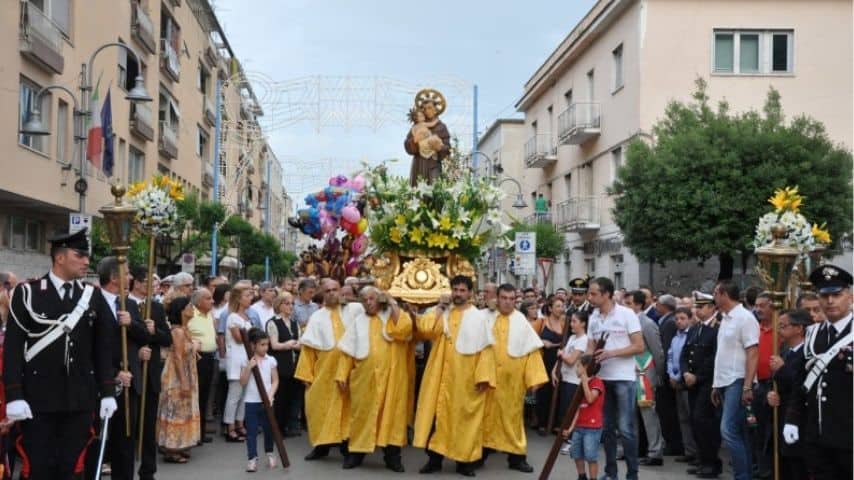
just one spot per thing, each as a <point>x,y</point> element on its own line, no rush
<point>698,191</point>
<point>550,242</point>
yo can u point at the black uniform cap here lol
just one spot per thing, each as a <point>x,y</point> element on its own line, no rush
<point>75,241</point>
<point>578,285</point>
<point>830,279</point>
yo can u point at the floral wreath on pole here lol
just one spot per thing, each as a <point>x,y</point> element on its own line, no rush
<point>799,233</point>
<point>157,212</point>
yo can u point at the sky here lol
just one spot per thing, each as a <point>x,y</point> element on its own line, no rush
<point>393,48</point>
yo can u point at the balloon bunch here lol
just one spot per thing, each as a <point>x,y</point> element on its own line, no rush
<point>340,205</point>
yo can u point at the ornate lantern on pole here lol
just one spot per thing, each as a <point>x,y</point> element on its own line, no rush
<point>776,263</point>
<point>119,218</point>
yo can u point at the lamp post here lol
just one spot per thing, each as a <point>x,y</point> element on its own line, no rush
<point>119,218</point>
<point>775,265</point>
<point>35,126</point>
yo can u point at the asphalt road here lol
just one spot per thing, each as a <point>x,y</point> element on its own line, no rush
<point>220,460</point>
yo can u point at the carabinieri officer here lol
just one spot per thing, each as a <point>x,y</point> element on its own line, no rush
<point>57,363</point>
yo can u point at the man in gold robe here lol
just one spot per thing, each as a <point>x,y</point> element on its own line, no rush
<point>326,406</point>
<point>375,371</point>
<point>519,368</point>
<point>460,370</point>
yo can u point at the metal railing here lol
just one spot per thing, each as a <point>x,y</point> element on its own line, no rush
<point>579,212</point>
<point>141,120</point>
<point>579,115</point>
<point>171,61</point>
<point>534,218</point>
<point>168,138</point>
<point>539,145</point>
<point>143,26</point>
<point>35,22</point>
<point>208,110</point>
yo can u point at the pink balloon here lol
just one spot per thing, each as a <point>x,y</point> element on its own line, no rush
<point>351,213</point>
<point>359,245</point>
<point>358,183</point>
<point>328,225</point>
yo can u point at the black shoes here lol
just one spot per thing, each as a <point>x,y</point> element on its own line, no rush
<point>317,453</point>
<point>395,466</point>
<point>431,467</point>
<point>522,466</point>
<point>651,462</point>
<point>686,459</point>
<point>465,469</point>
<point>352,460</point>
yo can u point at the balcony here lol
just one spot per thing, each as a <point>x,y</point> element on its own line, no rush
<point>168,142</point>
<point>142,29</point>
<point>540,151</point>
<point>209,112</point>
<point>141,121</point>
<point>211,53</point>
<point>207,174</point>
<point>223,66</point>
<point>170,63</point>
<point>536,218</point>
<point>579,214</point>
<point>246,110</point>
<point>41,40</point>
<point>579,123</point>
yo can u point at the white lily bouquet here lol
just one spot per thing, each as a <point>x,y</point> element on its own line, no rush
<point>157,212</point>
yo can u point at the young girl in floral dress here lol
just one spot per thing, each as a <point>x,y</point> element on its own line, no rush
<point>178,417</point>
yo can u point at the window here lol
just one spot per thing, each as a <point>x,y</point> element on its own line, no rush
<point>59,12</point>
<point>168,112</point>
<point>202,145</point>
<point>203,81</point>
<point>26,98</point>
<point>616,162</point>
<point>752,52</point>
<point>617,55</point>
<point>23,234</point>
<point>590,264</point>
<point>591,84</point>
<point>567,185</point>
<point>129,69</point>
<point>136,165</point>
<point>62,133</point>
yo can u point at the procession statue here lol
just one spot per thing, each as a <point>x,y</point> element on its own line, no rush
<point>428,141</point>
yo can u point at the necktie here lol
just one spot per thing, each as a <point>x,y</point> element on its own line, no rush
<point>66,295</point>
<point>831,336</point>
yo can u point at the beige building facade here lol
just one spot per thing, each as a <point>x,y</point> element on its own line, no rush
<point>609,80</point>
<point>183,56</point>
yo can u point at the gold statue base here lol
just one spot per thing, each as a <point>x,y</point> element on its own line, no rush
<point>420,278</point>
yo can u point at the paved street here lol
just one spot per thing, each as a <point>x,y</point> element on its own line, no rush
<point>222,460</point>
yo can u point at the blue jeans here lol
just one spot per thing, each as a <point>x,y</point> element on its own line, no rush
<point>585,444</point>
<point>734,431</point>
<point>620,407</point>
<point>255,415</point>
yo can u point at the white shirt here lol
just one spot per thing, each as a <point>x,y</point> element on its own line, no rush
<point>111,301</point>
<point>567,373</point>
<point>58,283</point>
<point>620,323</point>
<point>841,324</point>
<point>738,331</point>
<point>265,366</point>
<point>264,312</point>
<point>235,353</point>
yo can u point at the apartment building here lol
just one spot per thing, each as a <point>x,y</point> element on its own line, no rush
<point>184,58</point>
<point>610,79</point>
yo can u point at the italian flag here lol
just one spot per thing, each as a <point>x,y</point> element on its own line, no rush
<point>96,133</point>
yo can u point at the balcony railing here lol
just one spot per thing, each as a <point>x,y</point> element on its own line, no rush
<point>207,174</point>
<point>168,144</point>
<point>170,63</point>
<point>142,28</point>
<point>540,151</point>
<point>209,112</point>
<point>579,214</point>
<point>141,121</point>
<point>534,218</point>
<point>579,123</point>
<point>41,40</point>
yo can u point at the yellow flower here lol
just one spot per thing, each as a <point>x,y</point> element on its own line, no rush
<point>445,222</point>
<point>176,192</point>
<point>394,234</point>
<point>786,199</point>
<point>400,220</point>
<point>821,234</point>
<point>435,240</point>
<point>135,188</point>
<point>417,235</point>
<point>476,241</point>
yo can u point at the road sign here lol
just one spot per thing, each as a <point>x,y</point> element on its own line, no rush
<point>525,261</point>
<point>188,263</point>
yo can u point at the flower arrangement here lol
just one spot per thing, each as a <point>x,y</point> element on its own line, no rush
<point>800,234</point>
<point>155,203</point>
<point>459,216</point>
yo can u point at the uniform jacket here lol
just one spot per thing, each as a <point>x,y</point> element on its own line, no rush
<point>834,399</point>
<point>46,383</point>
<point>698,354</point>
<point>786,378</point>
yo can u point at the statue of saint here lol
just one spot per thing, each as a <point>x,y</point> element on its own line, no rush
<point>428,141</point>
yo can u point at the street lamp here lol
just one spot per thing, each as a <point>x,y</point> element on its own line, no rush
<point>35,126</point>
<point>519,203</point>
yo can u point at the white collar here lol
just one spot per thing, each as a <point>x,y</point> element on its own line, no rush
<point>521,337</point>
<point>135,298</point>
<point>841,324</point>
<point>58,282</point>
<point>797,347</point>
<point>109,297</point>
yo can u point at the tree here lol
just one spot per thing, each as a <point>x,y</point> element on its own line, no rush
<point>550,243</point>
<point>700,188</point>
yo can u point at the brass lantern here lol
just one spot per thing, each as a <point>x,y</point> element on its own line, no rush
<point>776,262</point>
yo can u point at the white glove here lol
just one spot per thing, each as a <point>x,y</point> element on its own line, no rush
<point>108,407</point>
<point>790,433</point>
<point>18,410</point>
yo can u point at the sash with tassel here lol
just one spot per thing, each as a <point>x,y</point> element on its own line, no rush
<point>646,394</point>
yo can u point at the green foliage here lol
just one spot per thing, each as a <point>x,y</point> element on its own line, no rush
<point>255,272</point>
<point>700,189</point>
<point>550,242</point>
